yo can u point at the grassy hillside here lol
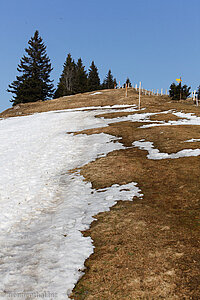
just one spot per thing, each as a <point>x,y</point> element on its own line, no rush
<point>148,248</point>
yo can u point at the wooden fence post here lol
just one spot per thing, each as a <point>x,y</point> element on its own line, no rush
<point>139,95</point>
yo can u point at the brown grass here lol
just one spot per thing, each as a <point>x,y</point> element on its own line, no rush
<point>149,248</point>
<point>108,97</point>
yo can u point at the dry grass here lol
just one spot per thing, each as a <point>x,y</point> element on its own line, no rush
<point>108,97</point>
<point>148,248</point>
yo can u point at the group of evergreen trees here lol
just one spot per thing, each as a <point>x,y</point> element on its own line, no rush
<point>179,92</point>
<point>34,82</point>
<point>74,79</point>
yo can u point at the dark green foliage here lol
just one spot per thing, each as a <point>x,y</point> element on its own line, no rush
<point>115,83</point>
<point>93,78</point>
<point>128,82</point>
<point>66,81</point>
<point>34,84</point>
<point>73,79</point>
<point>179,92</point>
<point>198,92</point>
<point>81,79</point>
<point>108,82</point>
<point>185,92</point>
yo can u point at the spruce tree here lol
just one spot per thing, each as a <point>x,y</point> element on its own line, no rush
<point>128,82</point>
<point>108,82</point>
<point>185,92</point>
<point>177,92</point>
<point>66,82</point>
<point>81,79</point>
<point>115,83</point>
<point>34,84</point>
<point>198,92</point>
<point>93,78</point>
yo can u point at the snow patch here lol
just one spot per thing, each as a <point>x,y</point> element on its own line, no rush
<point>96,93</point>
<point>186,119</point>
<point>155,154</point>
<point>192,140</point>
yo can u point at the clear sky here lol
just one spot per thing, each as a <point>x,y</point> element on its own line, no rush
<point>153,41</point>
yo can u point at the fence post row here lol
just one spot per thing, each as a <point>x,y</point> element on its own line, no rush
<point>154,92</point>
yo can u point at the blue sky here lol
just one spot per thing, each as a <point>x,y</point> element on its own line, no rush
<point>153,41</point>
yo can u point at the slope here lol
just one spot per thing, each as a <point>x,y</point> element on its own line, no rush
<point>147,248</point>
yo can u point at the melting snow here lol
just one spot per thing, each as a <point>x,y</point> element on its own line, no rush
<point>96,93</point>
<point>156,154</point>
<point>43,206</point>
<point>192,140</point>
<point>185,119</point>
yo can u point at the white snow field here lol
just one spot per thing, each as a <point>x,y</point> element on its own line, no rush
<point>45,206</point>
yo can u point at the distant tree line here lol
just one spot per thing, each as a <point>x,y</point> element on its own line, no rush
<point>75,79</point>
<point>33,83</point>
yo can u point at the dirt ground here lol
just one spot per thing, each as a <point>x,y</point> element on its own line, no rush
<point>147,248</point>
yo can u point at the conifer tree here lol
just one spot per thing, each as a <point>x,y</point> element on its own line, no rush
<point>115,83</point>
<point>108,82</point>
<point>177,92</point>
<point>34,84</point>
<point>93,78</point>
<point>198,92</point>
<point>128,82</point>
<point>66,82</point>
<point>81,79</point>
